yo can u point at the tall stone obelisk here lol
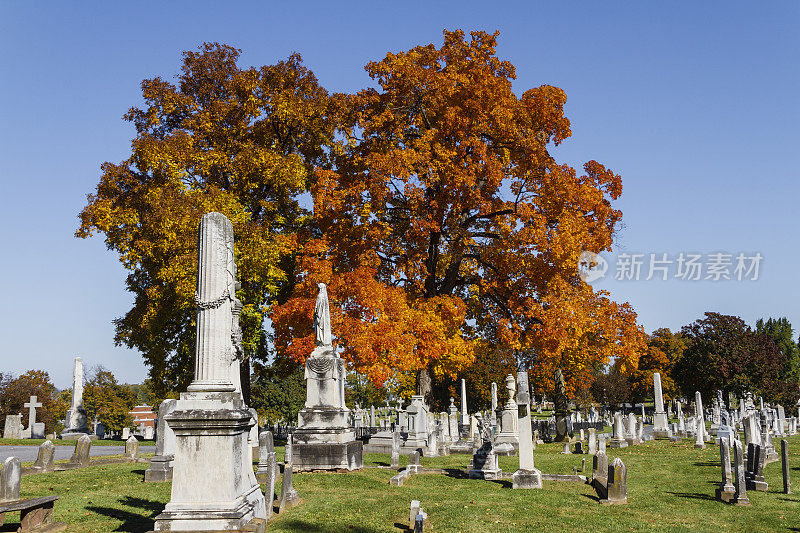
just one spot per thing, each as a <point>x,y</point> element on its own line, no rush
<point>213,483</point>
<point>660,426</point>
<point>527,477</point>
<point>324,439</point>
<point>76,414</point>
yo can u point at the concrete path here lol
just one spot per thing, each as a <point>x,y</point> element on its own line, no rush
<point>28,453</point>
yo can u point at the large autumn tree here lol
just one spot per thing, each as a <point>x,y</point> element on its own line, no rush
<point>663,349</point>
<point>108,401</point>
<point>445,221</point>
<point>16,392</point>
<point>242,142</point>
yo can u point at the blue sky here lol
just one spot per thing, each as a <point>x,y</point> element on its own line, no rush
<point>694,104</point>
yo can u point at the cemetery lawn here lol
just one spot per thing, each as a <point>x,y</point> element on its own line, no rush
<point>670,488</point>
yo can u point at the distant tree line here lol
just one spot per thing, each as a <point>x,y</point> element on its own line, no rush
<point>104,399</point>
<point>717,352</point>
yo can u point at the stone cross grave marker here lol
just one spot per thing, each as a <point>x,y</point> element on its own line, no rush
<point>36,430</point>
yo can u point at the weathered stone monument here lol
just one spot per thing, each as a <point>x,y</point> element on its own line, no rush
<point>701,431</point>
<point>289,495</point>
<point>132,449</point>
<point>484,461</point>
<point>213,483</point>
<point>660,428</point>
<point>10,480</point>
<point>561,406</point>
<point>618,440</point>
<point>161,463</point>
<point>600,472</point>
<point>726,492</point>
<point>267,470</point>
<point>13,427</point>
<point>44,458</point>
<point>75,419</point>
<point>617,483</point>
<point>741,483</point>
<point>701,425</point>
<point>324,439</point>
<point>508,440</point>
<point>397,441</point>
<point>80,456</point>
<point>527,476</point>
<point>787,486</point>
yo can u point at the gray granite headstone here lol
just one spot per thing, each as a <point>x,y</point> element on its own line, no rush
<point>81,454</point>
<point>726,492</point>
<point>13,427</point>
<point>741,482</point>
<point>132,449</point>
<point>617,483</point>
<point>267,467</point>
<point>289,496</point>
<point>45,457</point>
<point>10,477</point>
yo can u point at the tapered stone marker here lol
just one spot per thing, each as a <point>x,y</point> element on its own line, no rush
<point>527,477</point>
<point>741,481</point>
<point>787,486</point>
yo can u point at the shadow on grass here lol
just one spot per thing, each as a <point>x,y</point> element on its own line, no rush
<point>381,463</point>
<point>402,527</point>
<point>302,525</point>
<point>138,471</point>
<point>132,522</point>
<point>706,463</point>
<point>593,497</point>
<point>502,482</point>
<point>693,495</point>
<point>455,473</point>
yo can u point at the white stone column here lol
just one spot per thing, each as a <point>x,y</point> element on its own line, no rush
<point>660,427</point>
<point>464,412</point>
<point>701,423</point>
<point>213,484</point>
<point>215,292</point>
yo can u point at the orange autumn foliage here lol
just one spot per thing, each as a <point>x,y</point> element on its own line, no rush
<point>444,220</point>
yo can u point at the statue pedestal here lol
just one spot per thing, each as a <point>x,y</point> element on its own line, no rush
<point>212,486</point>
<point>324,439</point>
<point>484,464</point>
<point>660,425</point>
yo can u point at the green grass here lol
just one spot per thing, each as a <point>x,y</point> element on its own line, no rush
<point>60,442</point>
<point>670,488</point>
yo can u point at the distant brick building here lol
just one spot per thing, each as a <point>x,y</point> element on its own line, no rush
<point>143,416</point>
